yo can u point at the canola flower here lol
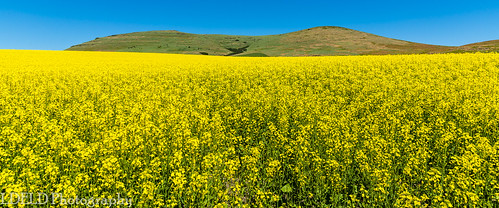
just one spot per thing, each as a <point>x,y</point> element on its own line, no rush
<point>201,131</point>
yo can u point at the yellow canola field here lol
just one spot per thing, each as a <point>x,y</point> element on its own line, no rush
<point>203,131</point>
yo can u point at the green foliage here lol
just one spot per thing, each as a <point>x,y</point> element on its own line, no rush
<point>287,189</point>
<point>254,55</point>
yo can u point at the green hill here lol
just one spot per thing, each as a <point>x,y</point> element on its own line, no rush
<point>317,41</point>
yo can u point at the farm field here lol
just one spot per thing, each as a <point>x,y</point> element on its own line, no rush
<point>202,131</point>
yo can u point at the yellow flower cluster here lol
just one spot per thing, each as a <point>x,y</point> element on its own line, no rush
<point>201,131</point>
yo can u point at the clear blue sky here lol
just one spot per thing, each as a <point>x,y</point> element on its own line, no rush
<point>58,24</point>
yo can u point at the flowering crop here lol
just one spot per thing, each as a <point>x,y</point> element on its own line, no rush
<point>202,131</point>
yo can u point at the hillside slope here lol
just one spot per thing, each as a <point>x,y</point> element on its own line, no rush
<point>488,46</point>
<point>325,40</point>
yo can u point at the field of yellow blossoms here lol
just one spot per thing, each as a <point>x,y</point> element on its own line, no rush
<point>203,131</point>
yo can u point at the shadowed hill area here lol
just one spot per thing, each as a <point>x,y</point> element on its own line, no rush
<point>317,41</point>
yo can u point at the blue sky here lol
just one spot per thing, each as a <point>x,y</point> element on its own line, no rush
<point>57,24</point>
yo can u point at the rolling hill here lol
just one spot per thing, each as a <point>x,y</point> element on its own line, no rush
<point>487,46</point>
<point>317,41</point>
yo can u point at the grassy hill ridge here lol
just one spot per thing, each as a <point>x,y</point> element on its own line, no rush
<point>317,41</point>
